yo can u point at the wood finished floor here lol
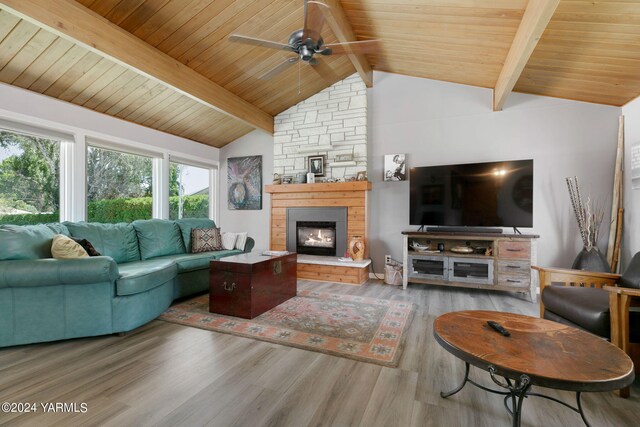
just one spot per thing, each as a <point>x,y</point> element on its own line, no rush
<point>171,375</point>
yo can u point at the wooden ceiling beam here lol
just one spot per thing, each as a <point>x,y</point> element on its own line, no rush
<point>534,21</point>
<point>76,23</point>
<point>337,19</point>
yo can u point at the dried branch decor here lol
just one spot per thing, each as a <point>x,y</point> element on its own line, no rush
<point>589,217</point>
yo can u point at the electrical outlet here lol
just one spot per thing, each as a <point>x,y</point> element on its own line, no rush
<point>387,259</point>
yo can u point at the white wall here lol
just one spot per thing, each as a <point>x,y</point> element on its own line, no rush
<point>256,223</point>
<point>631,224</point>
<point>441,123</point>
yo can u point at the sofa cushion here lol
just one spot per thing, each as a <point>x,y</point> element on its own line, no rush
<point>187,224</point>
<point>241,241</point>
<point>200,261</point>
<point>158,237</point>
<point>229,240</point>
<point>140,276</point>
<point>587,307</point>
<point>25,242</point>
<point>119,241</point>
<point>87,246</point>
<point>58,228</point>
<point>64,247</point>
<point>206,240</point>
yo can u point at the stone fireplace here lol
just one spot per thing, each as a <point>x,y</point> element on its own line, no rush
<point>317,231</point>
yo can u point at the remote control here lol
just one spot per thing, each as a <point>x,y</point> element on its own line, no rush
<point>499,328</point>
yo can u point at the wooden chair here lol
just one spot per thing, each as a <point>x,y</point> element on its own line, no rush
<point>620,301</point>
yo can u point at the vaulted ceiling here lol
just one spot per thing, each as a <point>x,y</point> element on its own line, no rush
<point>189,80</point>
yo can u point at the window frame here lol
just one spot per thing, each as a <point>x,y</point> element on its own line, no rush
<point>74,143</point>
<point>212,167</point>
<point>154,156</point>
<point>65,143</point>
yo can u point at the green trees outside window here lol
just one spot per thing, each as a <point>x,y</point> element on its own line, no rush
<point>119,185</point>
<point>29,179</point>
<point>188,191</point>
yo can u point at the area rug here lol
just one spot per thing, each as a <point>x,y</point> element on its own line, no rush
<point>366,329</point>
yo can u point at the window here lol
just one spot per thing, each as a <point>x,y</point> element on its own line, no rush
<point>188,191</point>
<point>29,179</point>
<point>119,186</point>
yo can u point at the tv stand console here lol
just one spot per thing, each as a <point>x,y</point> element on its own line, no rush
<point>493,261</point>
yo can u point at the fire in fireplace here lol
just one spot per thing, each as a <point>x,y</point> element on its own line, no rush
<point>317,231</point>
<point>316,238</point>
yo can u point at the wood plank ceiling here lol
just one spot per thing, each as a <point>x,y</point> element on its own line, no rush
<point>460,41</point>
<point>590,51</point>
<point>191,31</point>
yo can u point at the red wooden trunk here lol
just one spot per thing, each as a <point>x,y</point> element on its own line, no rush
<point>247,285</point>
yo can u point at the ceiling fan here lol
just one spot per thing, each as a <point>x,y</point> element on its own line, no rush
<point>307,42</point>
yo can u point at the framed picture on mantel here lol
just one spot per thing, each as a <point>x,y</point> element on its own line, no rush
<point>316,164</point>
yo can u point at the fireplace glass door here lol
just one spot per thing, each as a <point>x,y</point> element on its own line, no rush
<point>316,238</point>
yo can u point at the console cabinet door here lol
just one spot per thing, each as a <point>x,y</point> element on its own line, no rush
<point>428,267</point>
<point>471,270</point>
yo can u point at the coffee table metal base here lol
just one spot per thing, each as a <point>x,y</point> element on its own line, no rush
<point>517,391</point>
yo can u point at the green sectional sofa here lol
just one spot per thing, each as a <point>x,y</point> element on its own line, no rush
<point>144,266</point>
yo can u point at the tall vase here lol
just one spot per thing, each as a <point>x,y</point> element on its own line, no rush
<point>591,260</point>
<point>356,248</point>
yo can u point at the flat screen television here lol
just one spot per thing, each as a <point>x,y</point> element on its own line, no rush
<point>495,194</point>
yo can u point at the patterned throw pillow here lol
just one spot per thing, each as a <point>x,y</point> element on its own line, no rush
<point>87,246</point>
<point>205,240</point>
<point>241,241</point>
<point>65,248</point>
<point>229,240</point>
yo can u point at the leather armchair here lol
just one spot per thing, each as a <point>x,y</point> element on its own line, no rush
<point>601,303</point>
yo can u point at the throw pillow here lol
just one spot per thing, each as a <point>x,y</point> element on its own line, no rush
<point>65,248</point>
<point>241,241</point>
<point>188,224</point>
<point>87,246</point>
<point>205,240</point>
<point>229,240</point>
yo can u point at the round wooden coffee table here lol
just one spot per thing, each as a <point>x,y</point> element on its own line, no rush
<point>539,352</point>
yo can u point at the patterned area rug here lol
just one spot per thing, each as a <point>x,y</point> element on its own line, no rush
<point>366,329</point>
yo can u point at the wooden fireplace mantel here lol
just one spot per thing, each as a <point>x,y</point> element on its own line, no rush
<point>352,195</point>
<point>321,187</point>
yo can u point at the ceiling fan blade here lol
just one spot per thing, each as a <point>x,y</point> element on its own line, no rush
<point>359,47</point>
<point>237,38</point>
<point>279,68</point>
<point>325,71</point>
<point>313,18</point>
